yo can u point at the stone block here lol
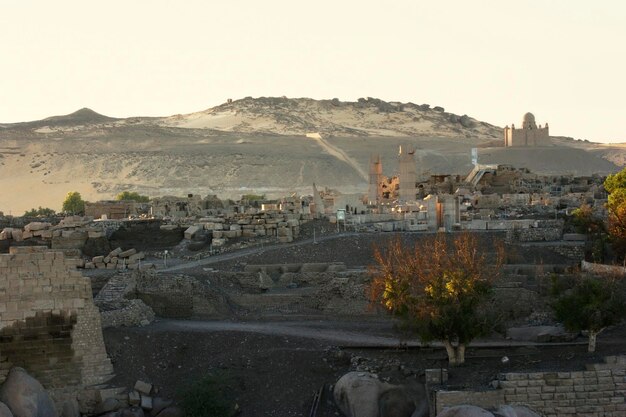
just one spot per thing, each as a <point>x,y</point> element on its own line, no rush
<point>16,235</point>
<point>191,231</point>
<point>98,259</point>
<point>284,232</point>
<point>217,242</point>
<point>136,257</point>
<point>436,376</point>
<point>35,226</point>
<point>134,398</point>
<point>15,250</point>
<point>6,233</point>
<point>146,402</point>
<point>127,253</point>
<point>115,252</point>
<point>143,387</point>
<point>168,227</point>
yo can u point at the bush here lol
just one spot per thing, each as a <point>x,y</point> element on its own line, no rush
<point>208,396</point>
<point>39,212</point>
<point>132,196</point>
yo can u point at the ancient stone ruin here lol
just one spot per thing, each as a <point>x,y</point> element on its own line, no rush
<point>49,324</point>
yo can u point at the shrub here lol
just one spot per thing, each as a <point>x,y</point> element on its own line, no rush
<point>208,396</point>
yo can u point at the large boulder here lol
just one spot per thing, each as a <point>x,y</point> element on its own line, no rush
<point>464,411</point>
<point>4,411</point>
<point>25,396</point>
<point>362,394</point>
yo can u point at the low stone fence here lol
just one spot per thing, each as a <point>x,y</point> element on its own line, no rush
<point>597,391</point>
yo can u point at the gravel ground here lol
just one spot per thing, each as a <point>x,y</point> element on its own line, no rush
<point>277,375</point>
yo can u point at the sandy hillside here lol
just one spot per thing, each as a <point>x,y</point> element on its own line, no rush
<point>256,146</point>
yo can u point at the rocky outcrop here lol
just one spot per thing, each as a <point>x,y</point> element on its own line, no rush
<point>362,394</point>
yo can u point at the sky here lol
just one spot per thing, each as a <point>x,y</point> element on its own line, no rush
<point>563,60</point>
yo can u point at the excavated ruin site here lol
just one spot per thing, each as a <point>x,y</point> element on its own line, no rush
<point>282,322</point>
<point>121,310</point>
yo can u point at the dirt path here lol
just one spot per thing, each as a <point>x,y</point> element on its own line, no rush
<point>251,251</point>
<point>340,155</point>
<point>369,334</point>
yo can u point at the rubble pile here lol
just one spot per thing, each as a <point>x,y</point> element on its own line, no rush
<point>284,226</point>
<point>118,259</point>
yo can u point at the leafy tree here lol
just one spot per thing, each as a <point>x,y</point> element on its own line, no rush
<point>592,304</point>
<point>615,185</point>
<point>74,203</point>
<point>132,196</point>
<point>441,286</point>
<point>43,212</point>
<point>585,221</point>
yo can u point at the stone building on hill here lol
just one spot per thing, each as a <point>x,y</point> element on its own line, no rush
<point>529,135</point>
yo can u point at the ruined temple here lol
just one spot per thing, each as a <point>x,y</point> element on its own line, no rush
<point>529,135</point>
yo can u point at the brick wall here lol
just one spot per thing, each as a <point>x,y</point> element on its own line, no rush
<point>48,322</point>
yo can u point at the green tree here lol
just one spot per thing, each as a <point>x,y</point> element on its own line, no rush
<point>615,185</point>
<point>591,304</point>
<point>132,196</point>
<point>441,286</point>
<point>39,212</point>
<point>585,221</point>
<point>74,203</point>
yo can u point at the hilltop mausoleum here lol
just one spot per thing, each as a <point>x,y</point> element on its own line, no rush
<point>528,135</point>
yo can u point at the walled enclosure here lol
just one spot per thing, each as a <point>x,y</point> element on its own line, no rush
<point>49,324</point>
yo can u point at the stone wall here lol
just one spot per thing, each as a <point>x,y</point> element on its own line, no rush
<point>534,234</point>
<point>598,391</point>
<point>614,270</point>
<point>572,250</point>
<point>221,294</point>
<point>49,324</point>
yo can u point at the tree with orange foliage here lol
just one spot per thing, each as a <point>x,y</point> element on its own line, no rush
<point>441,285</point>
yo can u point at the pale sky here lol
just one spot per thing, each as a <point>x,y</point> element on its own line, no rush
<point>563,60</point>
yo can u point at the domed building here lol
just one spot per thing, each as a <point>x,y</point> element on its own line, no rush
<point>528,135</point>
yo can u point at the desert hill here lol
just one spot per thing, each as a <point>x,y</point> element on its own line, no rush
<point>365,117</point>
<point>257,145</point>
